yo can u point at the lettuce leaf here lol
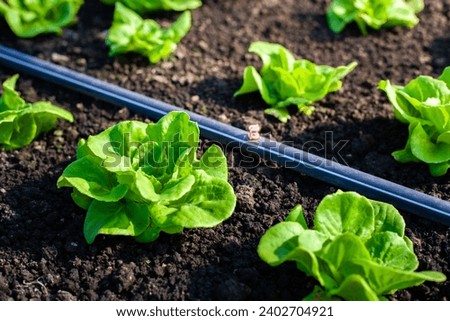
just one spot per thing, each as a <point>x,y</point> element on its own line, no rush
<point>30,18</point>
<point>284,81</point>
<point>357,250</point>
<point>141,179</point>
<point>424,104</point>
<point>375,14</point>
<point>22,122</point>
<point>130,33</point>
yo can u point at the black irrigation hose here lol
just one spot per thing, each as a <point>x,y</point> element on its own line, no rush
<point>320,168</point>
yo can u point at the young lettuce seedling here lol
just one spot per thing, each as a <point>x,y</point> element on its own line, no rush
<point>130,33</point>
<point>141,179</point>
<point>357,250</point>
<point>30,18</point>
<point>375,14</point>
<point>144,6</point>
<point>22,122</point>
<point>284,81</point>
<point>424,104</point>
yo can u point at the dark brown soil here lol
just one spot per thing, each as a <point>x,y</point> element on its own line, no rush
<point>43,255</point>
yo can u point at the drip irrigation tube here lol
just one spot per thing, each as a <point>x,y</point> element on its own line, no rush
<point>320,168</point>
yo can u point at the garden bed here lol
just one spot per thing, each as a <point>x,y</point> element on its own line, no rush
<point>43,254</point>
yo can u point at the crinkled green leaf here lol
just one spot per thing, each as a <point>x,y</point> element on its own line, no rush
<point>273,56</point>
<point>92,180</point>
<point>21,122</point>
<point>30,18</point>
<point>344,248</point>
<point>282,113</point>
<point>130,33</point>
<point>424,149</point>
<point>11,100</point>
<point>176,189</point>
<point>375,14</point>
<point>387,218</point>
<point>214,162</point>
<point>149,235</point>
<point>439,169</point>
<point>6,127</point>
<point>403,111</point>
<point>278,242</point>
<point>296,215</point>
<point>25,130</point>
<point>289,241</point>
<point>46,115</point>
<point>389,249</point>
<point>427,89</point>
<point>81,200</point>
<point>144,186</point>
<point>424,103</point>
<point>118,144</point>
<point>254,82</point>
<point>176,134</point>
<point>143,6</point>
<point>284,81</point>
<point>445,76</point>
<point>210,201</point>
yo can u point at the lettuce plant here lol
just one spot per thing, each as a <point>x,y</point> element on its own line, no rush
<point>143,6</point>
<point>284,81</point>
<point>424,104</point>
<point>375,14</point>
<point>131,33</point>
<point>22,122</point>
<point>29,18</point>
<point>141,179</point>
<point>357,250</point>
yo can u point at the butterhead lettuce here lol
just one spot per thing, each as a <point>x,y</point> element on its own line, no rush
<point>284,81</point>
<point>140,179</point>
<point>357,249</point>
<point>375,14</point>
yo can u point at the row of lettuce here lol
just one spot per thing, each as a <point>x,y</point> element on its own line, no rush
<point>33,17</point>
<point>140,180</point>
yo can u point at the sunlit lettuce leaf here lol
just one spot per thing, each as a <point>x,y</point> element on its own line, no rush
<point>151,169</point>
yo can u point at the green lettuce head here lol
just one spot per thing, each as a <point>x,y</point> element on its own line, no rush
<point>424,104</point>
<point>357,249</point>
<point>284,81</point>
<point>140,179</point>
